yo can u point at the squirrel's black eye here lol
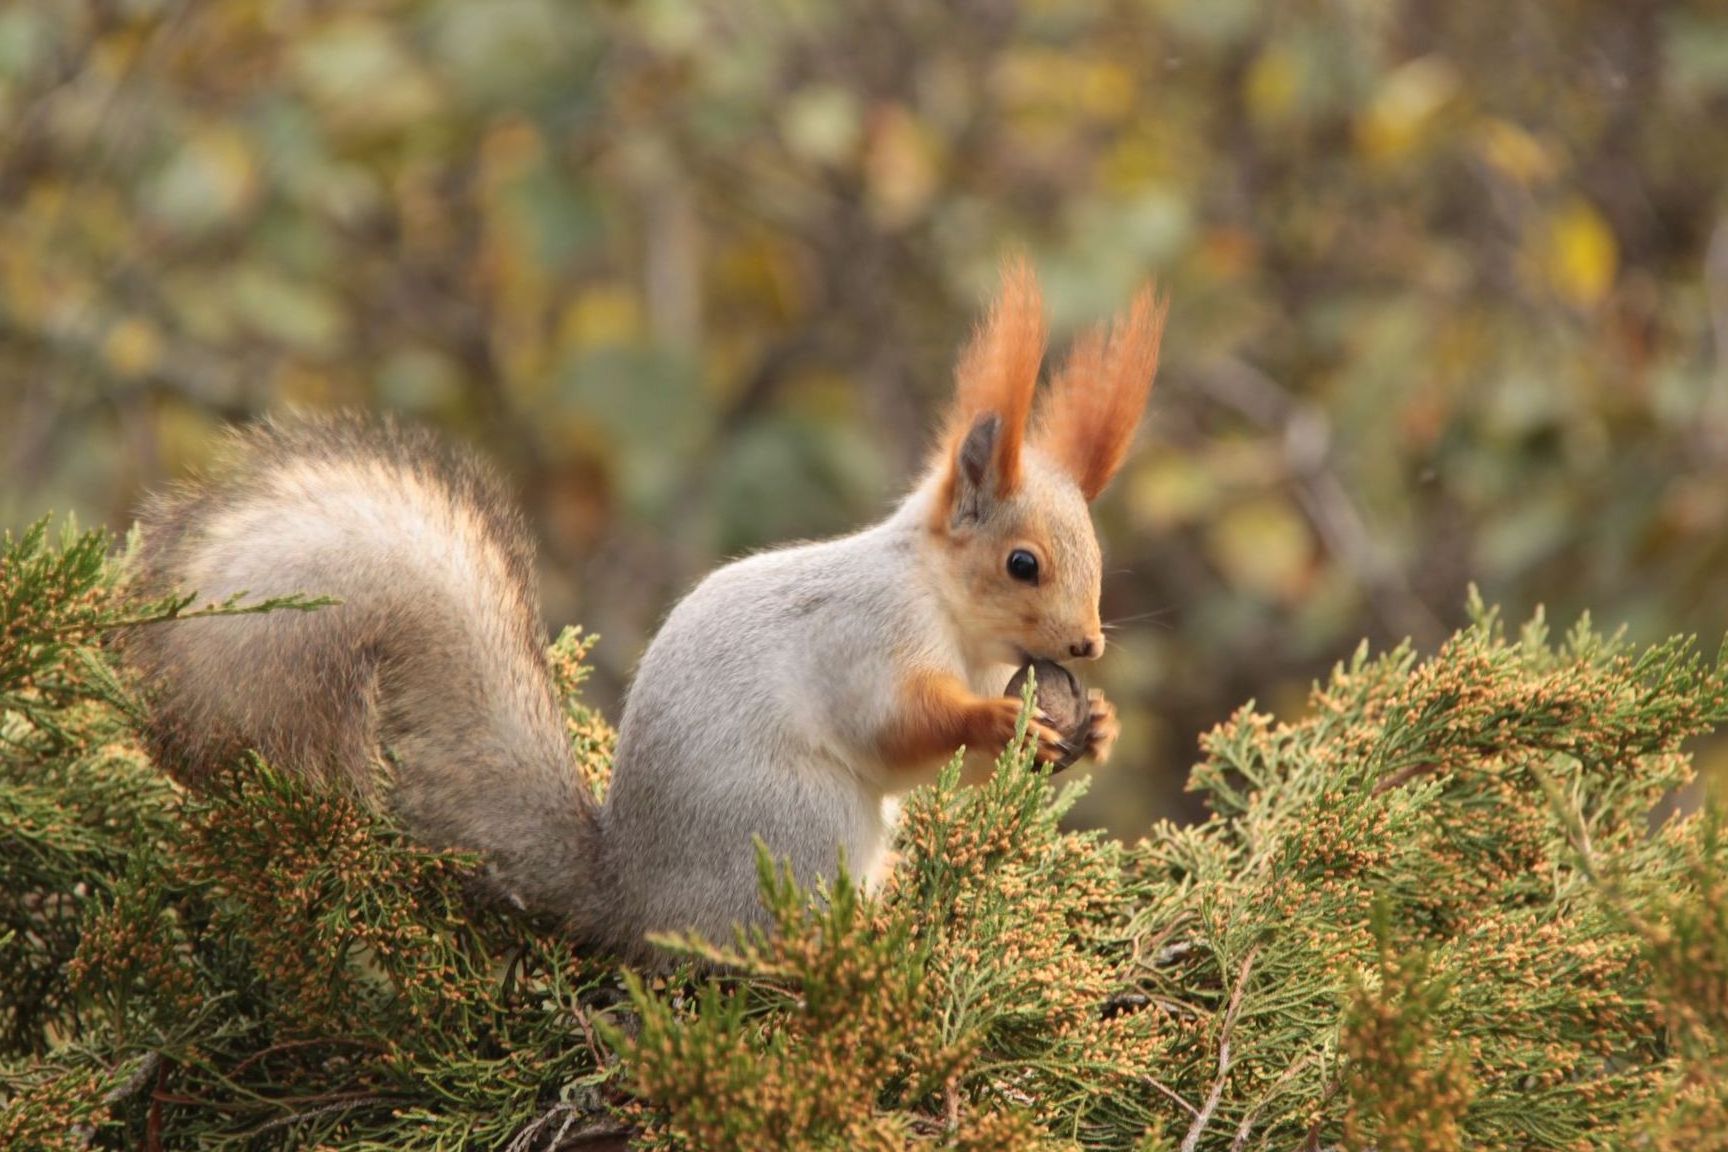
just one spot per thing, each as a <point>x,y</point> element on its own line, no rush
<point>1023,566</point>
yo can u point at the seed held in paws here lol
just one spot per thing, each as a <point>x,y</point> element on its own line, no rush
<point>1063,701</point>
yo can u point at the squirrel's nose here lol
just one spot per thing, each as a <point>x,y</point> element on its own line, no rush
<point>1087,649</point>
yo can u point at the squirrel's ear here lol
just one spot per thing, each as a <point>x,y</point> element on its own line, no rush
<point>1088,421</point>
<point>993,397</point>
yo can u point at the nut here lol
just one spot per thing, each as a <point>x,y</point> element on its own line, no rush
<point>1062,700</point>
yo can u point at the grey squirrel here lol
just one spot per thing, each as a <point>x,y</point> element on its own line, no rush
<point>788,697</point>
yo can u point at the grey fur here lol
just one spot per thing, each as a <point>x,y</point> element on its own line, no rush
<point>754,713</point>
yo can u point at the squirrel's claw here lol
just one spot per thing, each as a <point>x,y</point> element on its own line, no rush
<point>1044,735</point>
<point>1052,750</point>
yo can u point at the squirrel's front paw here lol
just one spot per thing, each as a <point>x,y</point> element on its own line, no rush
<point>1053,750</point>
<point>1049,748</point>
<point>1102,727</point>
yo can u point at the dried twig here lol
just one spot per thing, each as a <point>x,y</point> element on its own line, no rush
<point>599,1127</point>
<point>145,1072</point>
<point>358,1100</point>
<point>1313,475</point>
<point>1403,776</point>
<point>1204,1117</point>
<point>1171,1093</point>
<point>134,1083</point>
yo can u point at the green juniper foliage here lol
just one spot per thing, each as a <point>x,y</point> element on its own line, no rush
<point>1440,911</point>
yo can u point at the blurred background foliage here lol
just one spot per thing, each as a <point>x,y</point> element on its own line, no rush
<point>1449,283</point>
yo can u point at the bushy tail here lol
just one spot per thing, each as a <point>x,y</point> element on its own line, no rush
<point>431,665</point>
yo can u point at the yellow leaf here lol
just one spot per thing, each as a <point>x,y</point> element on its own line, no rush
<point>1023,76</point>
<point>1515,153</point>
<point>1136,159</point>
<point>133,348</point>
<point>1273,82</point>
<point>1065,84</point>
<point>1405,108</point>
<point>603,315</point>
<point>1580,255</point>
<point>1105,90</point>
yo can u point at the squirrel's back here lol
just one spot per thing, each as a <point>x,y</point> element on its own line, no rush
<point>430,669</point>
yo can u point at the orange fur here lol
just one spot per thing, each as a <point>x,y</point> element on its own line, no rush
<point>998,372</point>
<point>937,713</point>
<point>1088,421</point>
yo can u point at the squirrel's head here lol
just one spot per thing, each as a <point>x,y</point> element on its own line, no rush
<point>1018,557</point>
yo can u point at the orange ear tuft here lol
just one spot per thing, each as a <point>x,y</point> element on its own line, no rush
<point>1088,421</point>
<point>998,372</point>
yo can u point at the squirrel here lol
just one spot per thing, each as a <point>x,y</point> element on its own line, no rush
<point>790,696</point>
